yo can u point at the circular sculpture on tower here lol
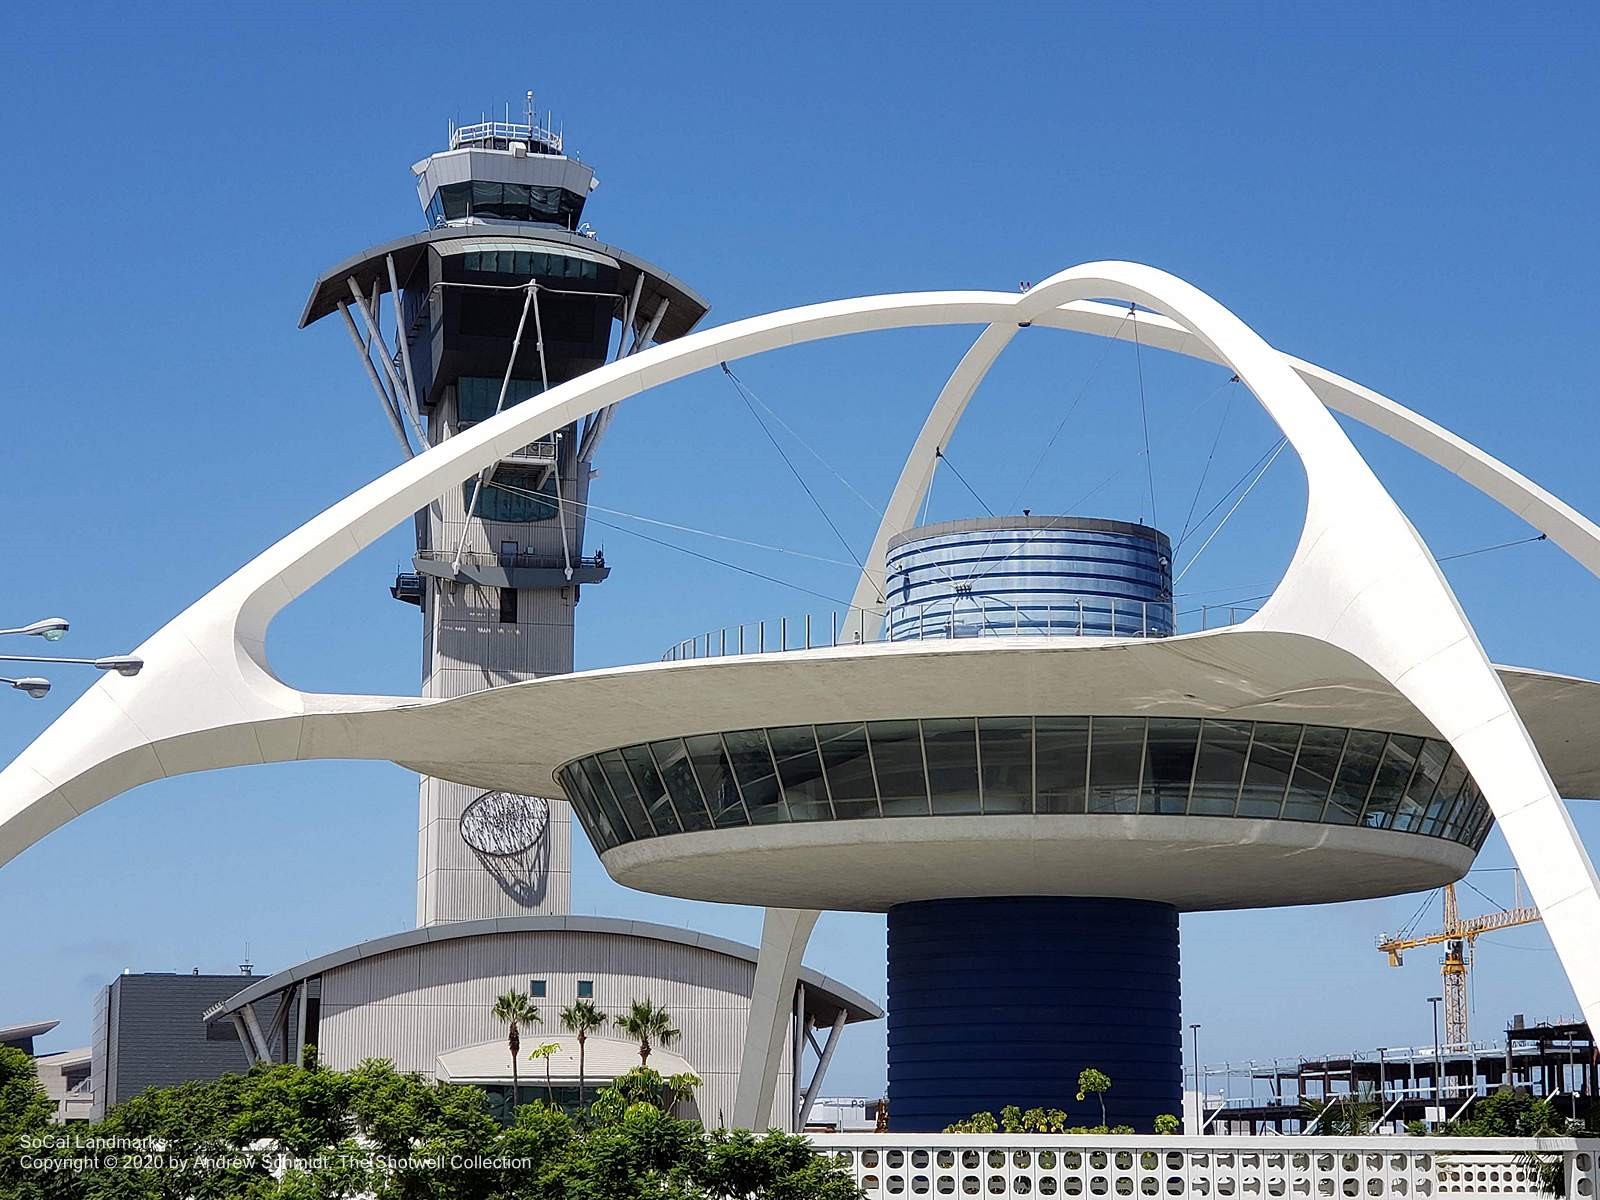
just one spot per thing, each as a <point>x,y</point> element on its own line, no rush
<point>504,824</point>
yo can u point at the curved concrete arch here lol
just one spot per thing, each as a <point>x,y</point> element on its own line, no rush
<point>1564,525</point>
<point>1360,579</point>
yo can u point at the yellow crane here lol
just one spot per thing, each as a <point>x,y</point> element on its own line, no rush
<point>1458,936</point>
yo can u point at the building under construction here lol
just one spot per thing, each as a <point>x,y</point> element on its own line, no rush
<point>1553,1060</point>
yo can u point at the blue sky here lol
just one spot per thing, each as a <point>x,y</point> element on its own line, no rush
<point>1404,193</point>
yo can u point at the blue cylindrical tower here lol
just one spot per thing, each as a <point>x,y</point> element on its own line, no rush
<point>995,1002</point>
<point>1071,576</point>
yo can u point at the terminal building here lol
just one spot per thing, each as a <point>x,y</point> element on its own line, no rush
<point>1006,744</point>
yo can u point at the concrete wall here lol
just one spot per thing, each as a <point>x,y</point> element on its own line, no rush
<point>466,647</point>
<point>410,1005</point>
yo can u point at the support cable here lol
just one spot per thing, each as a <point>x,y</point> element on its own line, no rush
<point>505,384</point>
<point>1144,417</point>
<point>1206,470</point>
<point>589,507</point>
<point>1282,442</point>
<point>1228,494</point>
<point>1539,537</point>
<point>790,429</point>
<point>794,471</point>
<point>710,558</point>
<point>1115,473</point>
<point>945,458</point>
<point>1083,390</point>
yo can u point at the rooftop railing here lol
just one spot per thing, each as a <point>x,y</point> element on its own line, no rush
<point>1112,618</point>
<point>504,131</point>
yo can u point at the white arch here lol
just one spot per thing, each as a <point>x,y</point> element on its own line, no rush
<point>1360,579</point>
<point>1549,514</point>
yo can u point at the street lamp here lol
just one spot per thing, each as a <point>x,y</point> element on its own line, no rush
<point>1438,1057</point>
<point>53,629</point>
<point>1199,1093</point>
<point>32,684</point>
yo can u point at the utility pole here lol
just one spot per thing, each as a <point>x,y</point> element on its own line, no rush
<point>1438,1058</point>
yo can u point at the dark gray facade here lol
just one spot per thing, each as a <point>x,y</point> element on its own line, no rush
<point>148,1032</point>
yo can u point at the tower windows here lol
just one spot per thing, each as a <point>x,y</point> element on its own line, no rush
<point>508,606</point>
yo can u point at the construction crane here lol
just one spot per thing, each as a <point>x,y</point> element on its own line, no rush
<point>1458,937</point>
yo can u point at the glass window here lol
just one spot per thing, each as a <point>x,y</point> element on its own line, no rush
<point>513,495</point>
<point>476,395</point>
<point>1116,762</point>
<point>1321,747</point>
<point>585,989</point>
<point>576,785</point>
<point>1349,799</point>
<point>1395,768</point>
<point>1424,782</point>
<point>849,770</point>
<point>485,198</point>
<point>1168,764</point>
<point>951,746</point>
<point>536,989</point>
<point>1266,777</point>
<point>752,765</point>
<point>616,773</point>
<point>514,201</point>
<point>672,760</point>
<point>607,802</point>
<point>794,747</point>
<point>1061,748</point>
<point>1219,770</point>
<point>710,761</point>
<point>1451,780</point>
<point>652,791</point>
<point>1005,750</point>
<point>455,197</point>
<point>897,761</point>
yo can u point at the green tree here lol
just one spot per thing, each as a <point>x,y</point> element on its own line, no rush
<point>1349,1115</point>
<point>26,1115</point>
<point>582,1018</point>
<point>1093,1081</point>
<point>648,1025</point>
<point>1168,1124</point>
<point>284,1132</point>
<point>546,1051</point>
<point>514,1010</point>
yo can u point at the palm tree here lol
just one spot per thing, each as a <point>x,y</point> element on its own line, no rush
<point>582,1017</point>
<point>646,1023</point>
<point>515,1009</point>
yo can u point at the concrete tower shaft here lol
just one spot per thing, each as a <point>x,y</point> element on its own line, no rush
<point>505,296</point>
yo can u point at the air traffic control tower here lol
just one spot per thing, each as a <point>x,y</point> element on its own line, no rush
<point>506,293</point>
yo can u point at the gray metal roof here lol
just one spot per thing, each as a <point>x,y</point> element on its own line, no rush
<point>822,993</point>
<point>1034,522</point>
<point>15,1033</point>
<point>686,308</point>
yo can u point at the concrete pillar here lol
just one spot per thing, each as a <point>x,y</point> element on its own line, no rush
<point>784,934</point>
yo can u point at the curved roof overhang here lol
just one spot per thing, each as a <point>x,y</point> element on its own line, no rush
<point>370,270</point>
<point>1247,674</point>
<point>824,996</point>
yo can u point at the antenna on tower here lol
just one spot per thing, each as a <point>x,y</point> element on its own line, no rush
<point>529,109</point>
<point>246,967</point>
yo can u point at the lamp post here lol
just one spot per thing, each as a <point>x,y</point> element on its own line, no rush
<point>1438,1056</point>
<point>1199,1092</point>
<point>53,629</point>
